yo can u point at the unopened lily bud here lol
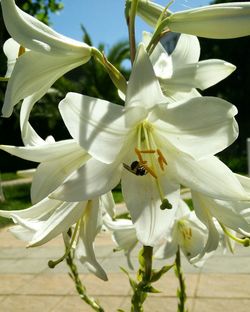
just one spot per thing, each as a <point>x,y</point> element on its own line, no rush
<point>150,12</point>
<point>219,21</point>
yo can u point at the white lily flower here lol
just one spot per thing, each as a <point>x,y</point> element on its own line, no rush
<point>50,55</point>
<point>219,21</point>
<point>123,234</point>
<point>231,215</point>
<point>186,232</point>
<point>150,11</point>
<point>176,64</point>
<point>48,218</point>
<point>172,142</point>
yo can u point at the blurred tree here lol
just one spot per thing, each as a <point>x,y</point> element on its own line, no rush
<point>90,79</point>
<point>9,128</point>
<point>234,89</point>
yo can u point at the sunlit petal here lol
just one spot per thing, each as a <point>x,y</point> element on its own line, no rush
<point>89,227</point>
<point>25,81</point>
<point>143,90</point>
<point>89,181</point>
<point>201,126</point>
<point>141,195</point>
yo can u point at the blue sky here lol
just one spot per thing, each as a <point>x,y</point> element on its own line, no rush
<point>104,19</point>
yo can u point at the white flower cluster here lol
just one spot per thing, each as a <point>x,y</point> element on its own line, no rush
<point>165,137</point>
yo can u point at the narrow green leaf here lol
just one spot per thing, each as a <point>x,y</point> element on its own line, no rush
<point>156,275</point>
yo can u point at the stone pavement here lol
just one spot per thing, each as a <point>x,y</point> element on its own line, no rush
<point>28,285</point>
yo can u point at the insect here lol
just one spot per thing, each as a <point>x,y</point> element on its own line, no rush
<point>136,168</point>
<point>140,168</point>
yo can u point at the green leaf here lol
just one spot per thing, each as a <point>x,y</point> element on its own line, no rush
<point>132,282</point>
<point>141,258</point>
<point>156,275</point>
<point>151,289</point>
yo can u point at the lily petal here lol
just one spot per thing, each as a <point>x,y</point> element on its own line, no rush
<point>219,21</point>
<point>29,136</point>
<point>34,35</point>
<point>25,81</point>
<point>187,51</point>
<point>181,50</point>
<point>22,233</point>
<point>124,235</point>
<point>63,217</point>
<point>46,151</point>
<point>208,176</point>
<point>51,174</point>
<point>37,211</point>
<point>89,227</point>
<point>107,204</point>
<point>206,219</point>
<point>150,11</point>
<point>168,249</point>
<point>143,90</point>
<point>201,75</point>
<point>97,125</point>
<point>141,195</point>
<point>229,213</point>
<point>201,126</point>
<point>244,181</point>
<point>89,181</point>
<point>11,50</point>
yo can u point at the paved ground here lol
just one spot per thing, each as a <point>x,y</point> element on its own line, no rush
<point>28,285</point>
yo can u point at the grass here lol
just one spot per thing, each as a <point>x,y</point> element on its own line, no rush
<point>16,197</point>
<point>117,194</point>
<point>7,176</point>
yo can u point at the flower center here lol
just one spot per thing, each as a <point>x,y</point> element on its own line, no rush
<point>185,230</point>
<point>149,155</point>
<point>150,159</point>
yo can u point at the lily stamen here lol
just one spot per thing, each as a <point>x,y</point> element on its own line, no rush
<point>138,153</point>
<point>161,159</point>
<point>151,171</point>
<point>244,241</point>
<point>53,263</point>
<point>143,162</point>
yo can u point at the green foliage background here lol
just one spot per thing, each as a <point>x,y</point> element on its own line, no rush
<point>235,89</point>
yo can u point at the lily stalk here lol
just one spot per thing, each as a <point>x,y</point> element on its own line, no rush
<point>144,274</point>
<point>181,291</point>
<point>81,289</point>
<point>131,27</point>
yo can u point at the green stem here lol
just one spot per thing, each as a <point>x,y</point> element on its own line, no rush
<point>81,289</point>
<point>181,291</point>
<point>144,275</point>
<point>131,26</point>
<point>148,256</point>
